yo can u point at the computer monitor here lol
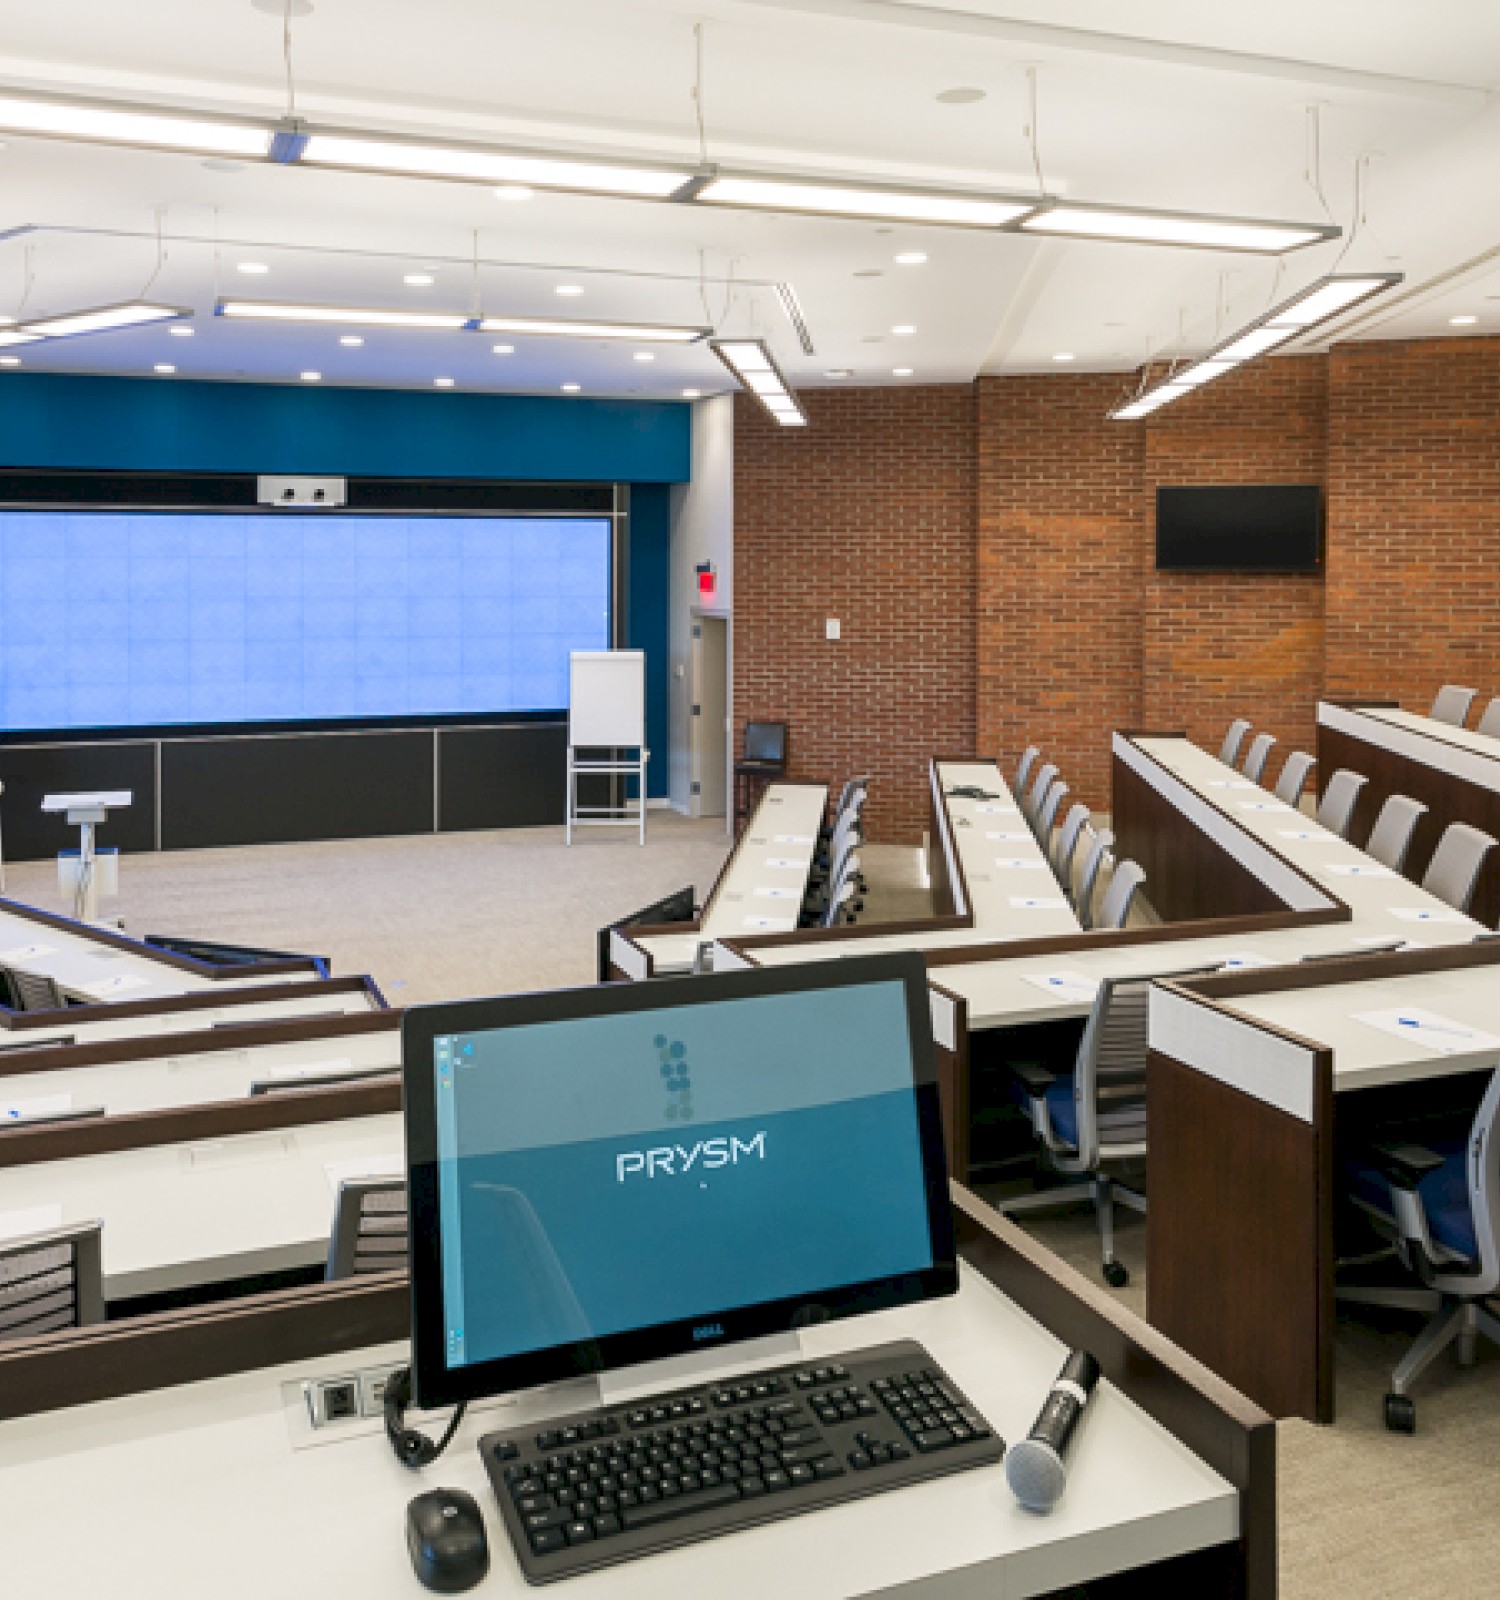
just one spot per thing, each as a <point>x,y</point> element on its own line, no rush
<point>602,1177</point>
<point>765,741</point>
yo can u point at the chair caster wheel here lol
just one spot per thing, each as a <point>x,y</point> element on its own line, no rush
<point>1115,1274</point>
<point>1400,1414</point>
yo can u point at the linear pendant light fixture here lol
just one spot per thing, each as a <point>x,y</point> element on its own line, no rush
<point>101,319</point>
<point>563,328</point>
<point>291,141</point>
<point>371,317</point>
<point>753,364</point>
<point>1318,303</point>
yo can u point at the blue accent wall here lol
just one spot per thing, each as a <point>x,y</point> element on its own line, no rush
<point>646,620</point>
<point>57,421</point>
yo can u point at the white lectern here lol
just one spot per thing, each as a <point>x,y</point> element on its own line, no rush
<point>606,711</point>
<point>85,812</point>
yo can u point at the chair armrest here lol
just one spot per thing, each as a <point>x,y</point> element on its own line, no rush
<point>1404,1165</point>
<point>1035,1079</point>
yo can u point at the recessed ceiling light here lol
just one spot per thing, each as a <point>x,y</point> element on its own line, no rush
<point>505,349</point>
<point>902,372</point>
<point>443,383</point>
<point>687,394</point>
<point>353,340</point>
<point>571,388</point>
<point>1064,355</point>
<point>911,258</point>
<point>960,97</point>
<point>165,368</point>
<point>254,268</point>
<point>1462,322</point>
<point>419,280</point>
<point>645,355</point>
<point>312,377</point>
<point>10,361</point>
<point>179,330</point>
<point>839,372</point>
<point>514,191</point>
<point>902,329</point>
<point>569,290</point>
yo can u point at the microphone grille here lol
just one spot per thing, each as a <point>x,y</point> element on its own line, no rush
<point>1036,1474</point>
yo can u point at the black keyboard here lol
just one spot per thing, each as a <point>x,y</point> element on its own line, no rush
<point>605,1486</point>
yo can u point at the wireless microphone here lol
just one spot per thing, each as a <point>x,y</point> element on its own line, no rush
<point>1034,1468</point>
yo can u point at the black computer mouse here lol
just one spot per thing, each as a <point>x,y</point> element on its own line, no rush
<point>445,1534</point>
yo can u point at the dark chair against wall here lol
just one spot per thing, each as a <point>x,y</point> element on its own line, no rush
<point>763,758</point>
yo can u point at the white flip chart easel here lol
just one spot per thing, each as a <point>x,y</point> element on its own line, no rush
<point>607,713</point>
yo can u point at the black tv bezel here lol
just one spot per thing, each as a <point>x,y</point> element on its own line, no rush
<point>435,1383</point>
<point>1315,569</point>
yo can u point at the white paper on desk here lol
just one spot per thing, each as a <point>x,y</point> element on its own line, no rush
<point>1429,1028</point>
<point>1026,902</point>
<point>772,924</point>
<point>1237,960</point>
<point>1009,838</point>
<point>1020,864</point>
<point>114,985</point>
<point>1309,836</point>
<point>34,1219</point>
<point>786,864</point>
<point>1263,805</point>
<point>792,838</point>
<point>384,1165</point>
<point>1423,914</point>
<point>1385,944</point>
<point>1358,869</point>
<point>331,1068</point>
<point>44,1105</point>
<point>992,810</point>
<point>1232,783</point>
<point>770,892</point>
<point>1065,985</point>
<point>26,952</point>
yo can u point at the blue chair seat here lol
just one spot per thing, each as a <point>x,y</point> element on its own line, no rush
<point>1444,1192</point>
<point>1060,1107</point>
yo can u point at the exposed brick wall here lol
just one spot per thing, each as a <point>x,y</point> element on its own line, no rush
<point>867,515</point>
<point>1223,645</point>
<point>1414,508</point>
<point>1062,560</point>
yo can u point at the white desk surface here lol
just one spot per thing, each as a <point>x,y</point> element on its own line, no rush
<point>250,1516</point>
<point>1482,744</point>
<point>181,1215</point>
<point>1365,1056</point>
<point>171,1079</point>
<point>94,971</point>
<point>91,800</point>
<point>99,1028</point>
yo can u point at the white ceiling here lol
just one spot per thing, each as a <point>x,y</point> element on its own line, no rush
<point>1154,102</point>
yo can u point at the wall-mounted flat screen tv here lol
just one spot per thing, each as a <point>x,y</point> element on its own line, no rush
<point>1266,527</point>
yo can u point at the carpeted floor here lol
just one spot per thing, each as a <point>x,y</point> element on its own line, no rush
<point>1364,1513</point>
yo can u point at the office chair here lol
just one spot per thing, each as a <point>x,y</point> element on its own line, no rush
<point>1293,777</point>
<point>1452,704</point>
<point>369,1228</point>
<point>1123,885</point>
<point>1438,1204</point>
<point>1390,838</point>
<point>1029,757</point>
<point>1230,749</point>
<point>1453,872</point>
<point>1095,1115</point>
<point>51,1280</point>
<point>1046,818</point>
<point>1031,802</point>
<point>843,907</point>
<point>1096,849</point>
<point>1489,723</point>
<point>1065,845</point>
<point>34,991</point>
<point>1336,808</point>
<point>1255,757</point>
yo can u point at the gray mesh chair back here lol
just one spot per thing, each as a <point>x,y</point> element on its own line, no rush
<point>1029,757</point>
<point>1336,808</point>
<point>1451,704</point>
<point>51,1280</point>
<point>369,1228</point>
<point>1031,801</point>
<point>1454,869</point>
<point>840,909</point>
<point>1046,818</point>
<point>1229,751</point>
<point>1096,849</point>
<point>1065,844</point>
<point>1489,723</point>
<point>1390,838</point>
<point>34,991</point>
<point>1123,886</point>
<point>1255,757</point>
<point>1293,779</point>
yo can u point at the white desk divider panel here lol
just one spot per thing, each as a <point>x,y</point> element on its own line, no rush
<point>607,710</point>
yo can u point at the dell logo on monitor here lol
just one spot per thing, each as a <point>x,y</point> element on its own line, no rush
<point>709,1330</point>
